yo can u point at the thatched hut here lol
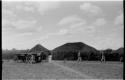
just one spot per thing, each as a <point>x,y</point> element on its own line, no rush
<point>70,52</point>
<point>34,55</point>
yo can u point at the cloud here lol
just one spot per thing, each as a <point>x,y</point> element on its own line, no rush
<point>119,20</point>
<point>76,30</point>
<point>30,7</point>
<point>37,6</point>
<point>23,27</point>
<point>70,20</point>
<point>107,42</point>
<point>40,28</point>
<point>63,32</point>
<point>83,29</point>
<point>8,14</point>
<point>25,34</point>
<point>21,6</point>
<point>23,24</point>
<point>5,22</point>
<point>76,25</point>
<point>60,32</point>
<point>100,22</point>
<point>12,23</point>
<point>90,8</point>
<point>43,7</point>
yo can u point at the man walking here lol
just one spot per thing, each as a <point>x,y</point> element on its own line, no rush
<point>79,57</point>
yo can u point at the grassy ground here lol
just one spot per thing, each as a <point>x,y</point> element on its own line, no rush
<point>13,70</point>
<point>61,70</point>
<point>98,70</point>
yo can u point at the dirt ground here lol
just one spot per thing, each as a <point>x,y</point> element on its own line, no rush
<point>61,70</point>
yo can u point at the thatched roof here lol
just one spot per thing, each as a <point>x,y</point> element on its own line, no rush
<point>76,46</point>
<point>37,49</point>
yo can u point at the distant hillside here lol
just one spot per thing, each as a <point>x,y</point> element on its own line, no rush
<point>71,50</point>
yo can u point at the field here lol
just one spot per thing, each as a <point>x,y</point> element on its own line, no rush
<point>98,70</point>
<point>61,70</point>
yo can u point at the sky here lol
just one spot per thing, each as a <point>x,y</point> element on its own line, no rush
<point>54,23</point>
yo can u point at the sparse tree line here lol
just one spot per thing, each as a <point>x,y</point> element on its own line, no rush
<point>10,54</point>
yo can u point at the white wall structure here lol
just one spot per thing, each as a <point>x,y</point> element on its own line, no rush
<point>49,58</point>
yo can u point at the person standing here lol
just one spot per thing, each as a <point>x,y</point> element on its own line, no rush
<point>121,59</point>
<point>32,59</point>
<point>50,58</point>
<point>79,57</point>
<point>102,57</point>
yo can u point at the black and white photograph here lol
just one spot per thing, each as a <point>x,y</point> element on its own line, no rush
<point>62,40</point>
